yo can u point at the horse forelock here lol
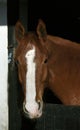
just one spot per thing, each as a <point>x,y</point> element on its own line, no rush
<point>33,39</point>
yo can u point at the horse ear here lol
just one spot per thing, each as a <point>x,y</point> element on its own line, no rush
<point>19,31</point>
<point>41,30</point>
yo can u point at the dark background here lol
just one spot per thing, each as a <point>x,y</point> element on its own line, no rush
<point>62,18</point>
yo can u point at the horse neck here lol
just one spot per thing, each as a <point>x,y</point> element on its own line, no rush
<point>63,42</point>
<point>56,44</point>
<point>59,51</point>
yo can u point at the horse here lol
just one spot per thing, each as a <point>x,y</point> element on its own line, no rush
<point>46,61</point>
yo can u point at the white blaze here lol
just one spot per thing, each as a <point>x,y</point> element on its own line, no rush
<point>31,104</point>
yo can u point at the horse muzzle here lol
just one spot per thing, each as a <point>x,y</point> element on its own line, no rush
<point>33,110</point>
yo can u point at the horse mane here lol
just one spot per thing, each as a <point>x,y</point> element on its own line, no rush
<point>63,41</point>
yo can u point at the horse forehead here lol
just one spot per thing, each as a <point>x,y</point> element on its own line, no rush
<point>30,52</point>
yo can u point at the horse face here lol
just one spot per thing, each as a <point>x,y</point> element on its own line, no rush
<point>32,69</point>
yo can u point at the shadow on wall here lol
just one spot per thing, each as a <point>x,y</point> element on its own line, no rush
<point>50,97</point>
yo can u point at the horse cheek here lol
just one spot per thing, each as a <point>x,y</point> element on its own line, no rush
<point>44,74</point>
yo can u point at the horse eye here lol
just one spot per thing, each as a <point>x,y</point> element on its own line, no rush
<point>45,61</point>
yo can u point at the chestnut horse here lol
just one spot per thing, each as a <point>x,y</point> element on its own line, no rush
<point>46,61</point>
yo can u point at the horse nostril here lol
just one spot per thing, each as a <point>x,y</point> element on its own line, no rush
<point>25,110</point>
<point>39,105</point>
